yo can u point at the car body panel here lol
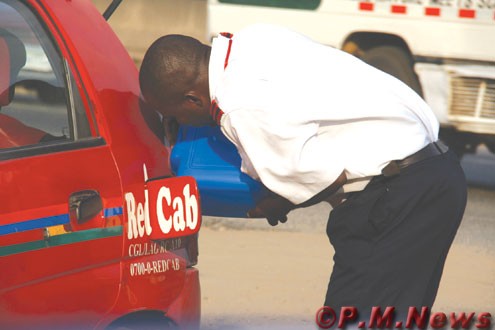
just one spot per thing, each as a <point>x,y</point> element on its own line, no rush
<point>60,271</point>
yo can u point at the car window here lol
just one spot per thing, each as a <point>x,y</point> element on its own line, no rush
<point>39,100</point>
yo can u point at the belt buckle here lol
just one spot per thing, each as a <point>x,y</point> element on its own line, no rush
<point>391,169</point>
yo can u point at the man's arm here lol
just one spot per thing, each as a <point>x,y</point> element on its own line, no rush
<point>275,208</point>
<point>327,192</point>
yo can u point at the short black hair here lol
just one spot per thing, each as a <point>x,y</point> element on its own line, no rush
<point>170,66</point>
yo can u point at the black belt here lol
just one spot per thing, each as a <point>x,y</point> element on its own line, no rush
<point>433,149</point>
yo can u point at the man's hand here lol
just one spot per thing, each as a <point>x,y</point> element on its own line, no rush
<point>274,208</point>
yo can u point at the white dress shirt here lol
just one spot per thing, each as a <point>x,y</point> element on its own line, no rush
<point>300,113</point>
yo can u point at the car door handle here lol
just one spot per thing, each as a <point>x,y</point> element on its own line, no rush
<point>85,205</point>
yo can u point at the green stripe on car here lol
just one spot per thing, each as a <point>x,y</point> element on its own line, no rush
<point>59,240</point>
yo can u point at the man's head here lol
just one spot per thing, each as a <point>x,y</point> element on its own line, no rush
<point>174,79</point>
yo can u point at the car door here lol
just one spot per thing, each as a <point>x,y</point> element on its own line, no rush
<point>60,192</point>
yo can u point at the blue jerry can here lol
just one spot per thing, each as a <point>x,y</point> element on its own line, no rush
<point>207,155</point>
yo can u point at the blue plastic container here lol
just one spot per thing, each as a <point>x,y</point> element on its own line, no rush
<point>207,155</point>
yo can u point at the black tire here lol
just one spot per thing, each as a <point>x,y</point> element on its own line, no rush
<point>143,323</point>
<point>491,147</point>
<point>395,61</point>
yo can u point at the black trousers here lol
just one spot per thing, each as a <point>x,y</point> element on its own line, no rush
<point>391,239</point>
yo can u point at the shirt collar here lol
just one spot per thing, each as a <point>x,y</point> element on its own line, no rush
<point>219,47</point>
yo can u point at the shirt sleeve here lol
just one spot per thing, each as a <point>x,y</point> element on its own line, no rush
<point>282,152</point>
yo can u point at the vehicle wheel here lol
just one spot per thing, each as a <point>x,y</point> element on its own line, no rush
<point>138,323</point>
<point>491,147</point>
<point>395,61</point>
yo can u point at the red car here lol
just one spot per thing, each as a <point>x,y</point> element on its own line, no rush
<point>95,233</point>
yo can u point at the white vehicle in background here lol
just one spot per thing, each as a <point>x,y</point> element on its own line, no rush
<point>443,49</point>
